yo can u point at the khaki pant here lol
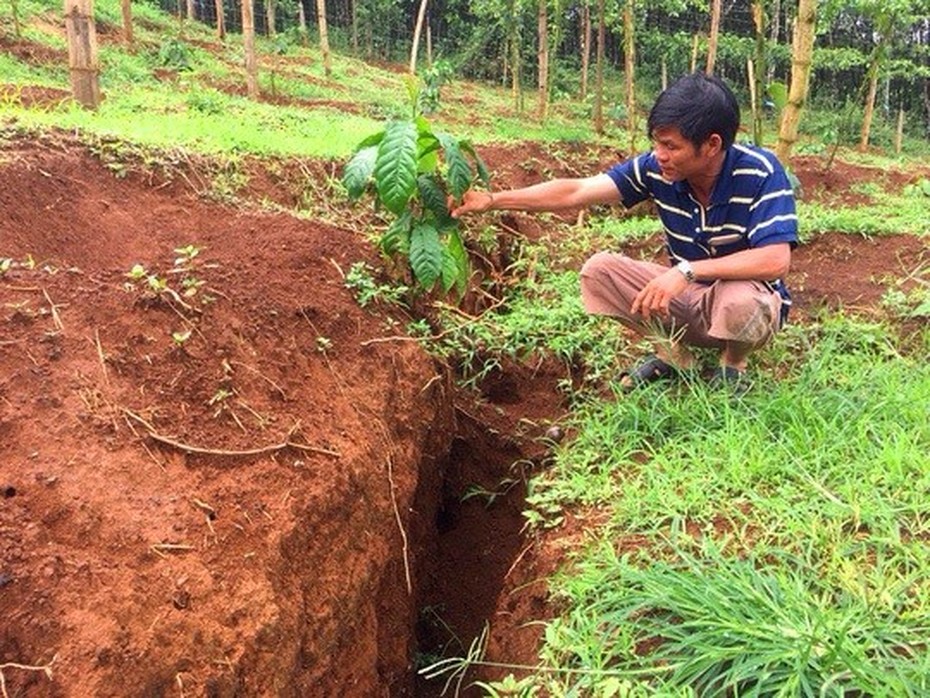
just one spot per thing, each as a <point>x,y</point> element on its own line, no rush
<point>704,315</point>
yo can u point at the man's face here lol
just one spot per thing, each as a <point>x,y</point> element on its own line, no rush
<point>678,158</point>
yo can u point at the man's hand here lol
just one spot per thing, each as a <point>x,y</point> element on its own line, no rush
<point>659,293</point>
<point>472,202</point>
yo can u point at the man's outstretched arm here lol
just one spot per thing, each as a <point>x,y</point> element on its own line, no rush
<point>553,195</point>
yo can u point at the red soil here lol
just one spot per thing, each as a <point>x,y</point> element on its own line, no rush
<point>238,513</point>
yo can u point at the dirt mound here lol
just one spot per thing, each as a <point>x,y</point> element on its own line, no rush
<point>219,475</point>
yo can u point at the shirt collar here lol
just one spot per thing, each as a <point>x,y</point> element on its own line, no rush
<point>722,187</point>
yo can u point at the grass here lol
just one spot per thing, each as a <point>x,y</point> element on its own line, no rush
<point>771,545</point>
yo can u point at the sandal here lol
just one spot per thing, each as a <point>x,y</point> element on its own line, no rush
<point>730,378</point>
<point>649,370</point>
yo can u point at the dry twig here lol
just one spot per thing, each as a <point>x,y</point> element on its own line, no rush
<point>400,524</point>
<point>44,668</point>
<point>287,443</point>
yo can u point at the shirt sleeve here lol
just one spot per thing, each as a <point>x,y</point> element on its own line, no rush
<point>630,178</point>
<point>773,216</point>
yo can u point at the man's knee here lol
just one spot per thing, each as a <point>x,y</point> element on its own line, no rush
<point>748,319</point>
<point>599,264</point>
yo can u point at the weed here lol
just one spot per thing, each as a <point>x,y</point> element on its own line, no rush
<point>361,280</point>
<point>174,54</point>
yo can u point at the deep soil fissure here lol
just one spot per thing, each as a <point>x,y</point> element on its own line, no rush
<point>475,539</point>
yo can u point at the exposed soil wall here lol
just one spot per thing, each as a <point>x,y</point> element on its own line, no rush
<point>246,484</point>
<point>220,515</point>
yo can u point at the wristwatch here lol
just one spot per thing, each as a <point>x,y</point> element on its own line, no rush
<point>684,266</point>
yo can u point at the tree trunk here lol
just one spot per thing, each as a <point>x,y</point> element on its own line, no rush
<point>899,132</point>
<point>17,31</point>
<point>429,44</point>
<point>695,44</point>
<point>126,7</point>
<point>270,18</point>
<point>866,131</point>
<point>516,64</point>
<point>354,27</point>
<point>542,109</point>
<point>248,45</point>
<point>599,70</point>
<point>324,36</point>
<point>301,23</point>
<point>220,20</point>
<point>585,48</point>
<point>802,50</point>
<point>190,10</point>
<point>773,36</point>
<point>629,62</point>
<point>714,35</point>
<point>417,30</point>
<point>664,74</point>
<point>756,71</point>
<point>82,52</point>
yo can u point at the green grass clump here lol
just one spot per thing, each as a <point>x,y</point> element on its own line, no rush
<point>769,545</point>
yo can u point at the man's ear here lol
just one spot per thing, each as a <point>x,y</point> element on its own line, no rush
<point>714,144</point>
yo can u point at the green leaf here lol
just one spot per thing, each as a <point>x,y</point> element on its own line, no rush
<point>396,239</point>
<point>483,174</point>
<point>373,139</point>
<point>454,263</point>
<point>779,94</point>
<point>426,254</point>
<point>358,171</point>
<point>434,198</point>
<point>458,171</point>
<point>396,166</point>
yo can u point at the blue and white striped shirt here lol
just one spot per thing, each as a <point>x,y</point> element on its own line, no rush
<point>752,205</point>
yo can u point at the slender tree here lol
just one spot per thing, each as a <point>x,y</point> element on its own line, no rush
<point>418,29</point>
<point>629,63</point>
<point>542,17</point>
<point>220,19</point>
<point>301,23</point>
<point>190,10</point>
<point>802,50</point>
<point>585,47</point>
<point>14,6</point>
<point>82,52</point>
<point>324,36</point>
<point>271,20</point>
<point>757,71</point>
<point>126,9</point>
<point>354,4</point>
<point>599,70</point>
<point>516,62</point>
<point>887,17</point>
<point>248,45</point>
<point>714,35</point>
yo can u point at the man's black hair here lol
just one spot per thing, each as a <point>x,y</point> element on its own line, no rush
<point>698,105</point>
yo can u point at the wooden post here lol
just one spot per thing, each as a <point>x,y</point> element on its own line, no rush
<point>82,52</point>
<point>248,45</point>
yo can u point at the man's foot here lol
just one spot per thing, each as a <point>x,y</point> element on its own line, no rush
<point>730,378</point>
<point>649,370</point>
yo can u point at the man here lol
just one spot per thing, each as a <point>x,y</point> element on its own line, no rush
<point>730,222</point>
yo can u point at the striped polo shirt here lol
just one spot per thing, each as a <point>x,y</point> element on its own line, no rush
<point>752,205</point>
